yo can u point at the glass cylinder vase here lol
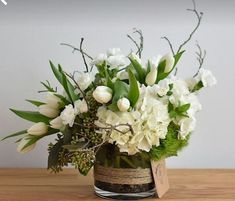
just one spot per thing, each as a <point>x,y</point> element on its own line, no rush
<point>121,176</point>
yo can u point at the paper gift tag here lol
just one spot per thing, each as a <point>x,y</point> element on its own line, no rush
<point>160,177</point>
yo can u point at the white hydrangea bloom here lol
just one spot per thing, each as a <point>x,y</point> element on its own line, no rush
<point>149,121</point>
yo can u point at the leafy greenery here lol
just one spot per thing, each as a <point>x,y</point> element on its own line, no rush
<point>15,134</point>
<point>178,111</point>
<point>198,86</point>
<point>139,69</point>
<point>134,93</point>
<point>169,146</point>
<point>36,103</point>
<point>31,116</point>
<point>61,77</point>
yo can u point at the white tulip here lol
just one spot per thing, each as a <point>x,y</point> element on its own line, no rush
<point>68,115</point>
<point>151,77</point>
<point>102,94</point>
<point>22,144</point>
<point>116,61</point>
<point>123,104</point>
<point>48,111</point>
<point>38,129</point>
<point>81,106</point>
<point>53,101</point>
<point>170,61</point>
<point>57,123</point>
<point>135,57</point>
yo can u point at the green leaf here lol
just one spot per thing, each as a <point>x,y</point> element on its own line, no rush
<point>177,57</point>
<point>31,116</point>
<point>47,86</point>
<point>134,92</point>
<point>183,108</point>
<point>120,90</point>
<point>32,140</point>
<point>63,99</point>
<point>14,134</point>
<point>160,71</point>
<point>61,77</point>
<point>198,86</point>
<point>140,71</point>
<point>36,103</point>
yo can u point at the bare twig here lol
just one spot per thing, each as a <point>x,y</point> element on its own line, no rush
<point>83,55</point>
<point>170,44</point>
<point>201,55</point>
<point>199,18</point>
<point>138,46</point>
<point>77,49</point>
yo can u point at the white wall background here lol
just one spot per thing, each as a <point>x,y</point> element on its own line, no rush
<point>30,33</point>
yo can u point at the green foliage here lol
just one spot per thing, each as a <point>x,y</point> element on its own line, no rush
<point>198,86</point>
<point>161,67</point>
<point>15,134</point>
<point>61,77</point>
<point>31,116</point>
<point>178,111</point>
<point>120,90</point>
<point>169,146</point>
<point>134,93</point>
<point>139,70</point>
<point>36,103</point>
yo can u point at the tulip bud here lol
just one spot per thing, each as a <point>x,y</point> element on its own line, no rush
<point>48,111</point>
<point>57,123</point>
<point>38,129</point>
<point>102,94</point>
<point>123,104</point>
<point>24,141</point>
<point>53,101</point>
<point>170,61</point>
<point>151,77</point>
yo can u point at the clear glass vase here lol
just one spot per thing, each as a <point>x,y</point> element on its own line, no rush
<point>120,176</point>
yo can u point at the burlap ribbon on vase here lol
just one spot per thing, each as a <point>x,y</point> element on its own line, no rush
<point>122,176</point>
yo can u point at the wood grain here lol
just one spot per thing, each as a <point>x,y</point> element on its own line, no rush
<point>39,184</point>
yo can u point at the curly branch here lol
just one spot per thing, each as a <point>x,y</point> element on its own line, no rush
<point>77,49</point>
<point>138,46</point>
<point>199,16</point>
<point>170,44</point>
<point>201,55</point>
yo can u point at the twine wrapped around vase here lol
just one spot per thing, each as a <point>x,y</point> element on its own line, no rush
<point>122,176</point>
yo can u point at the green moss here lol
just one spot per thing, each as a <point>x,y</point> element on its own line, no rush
<point>169,146</point>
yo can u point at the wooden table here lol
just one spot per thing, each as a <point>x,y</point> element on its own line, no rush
<point>40,185</point>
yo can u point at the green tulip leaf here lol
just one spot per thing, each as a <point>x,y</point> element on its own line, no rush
<point>31,116</point>
<point>134,92</point>
<point>15,134</point>
<point>36,103</point>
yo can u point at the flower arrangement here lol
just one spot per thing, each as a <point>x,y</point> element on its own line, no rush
<point>138,107</point>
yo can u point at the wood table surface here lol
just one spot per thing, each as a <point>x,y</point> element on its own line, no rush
<point>39,184</point>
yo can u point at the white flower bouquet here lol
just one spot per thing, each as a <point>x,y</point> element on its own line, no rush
<point>120,112</point>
